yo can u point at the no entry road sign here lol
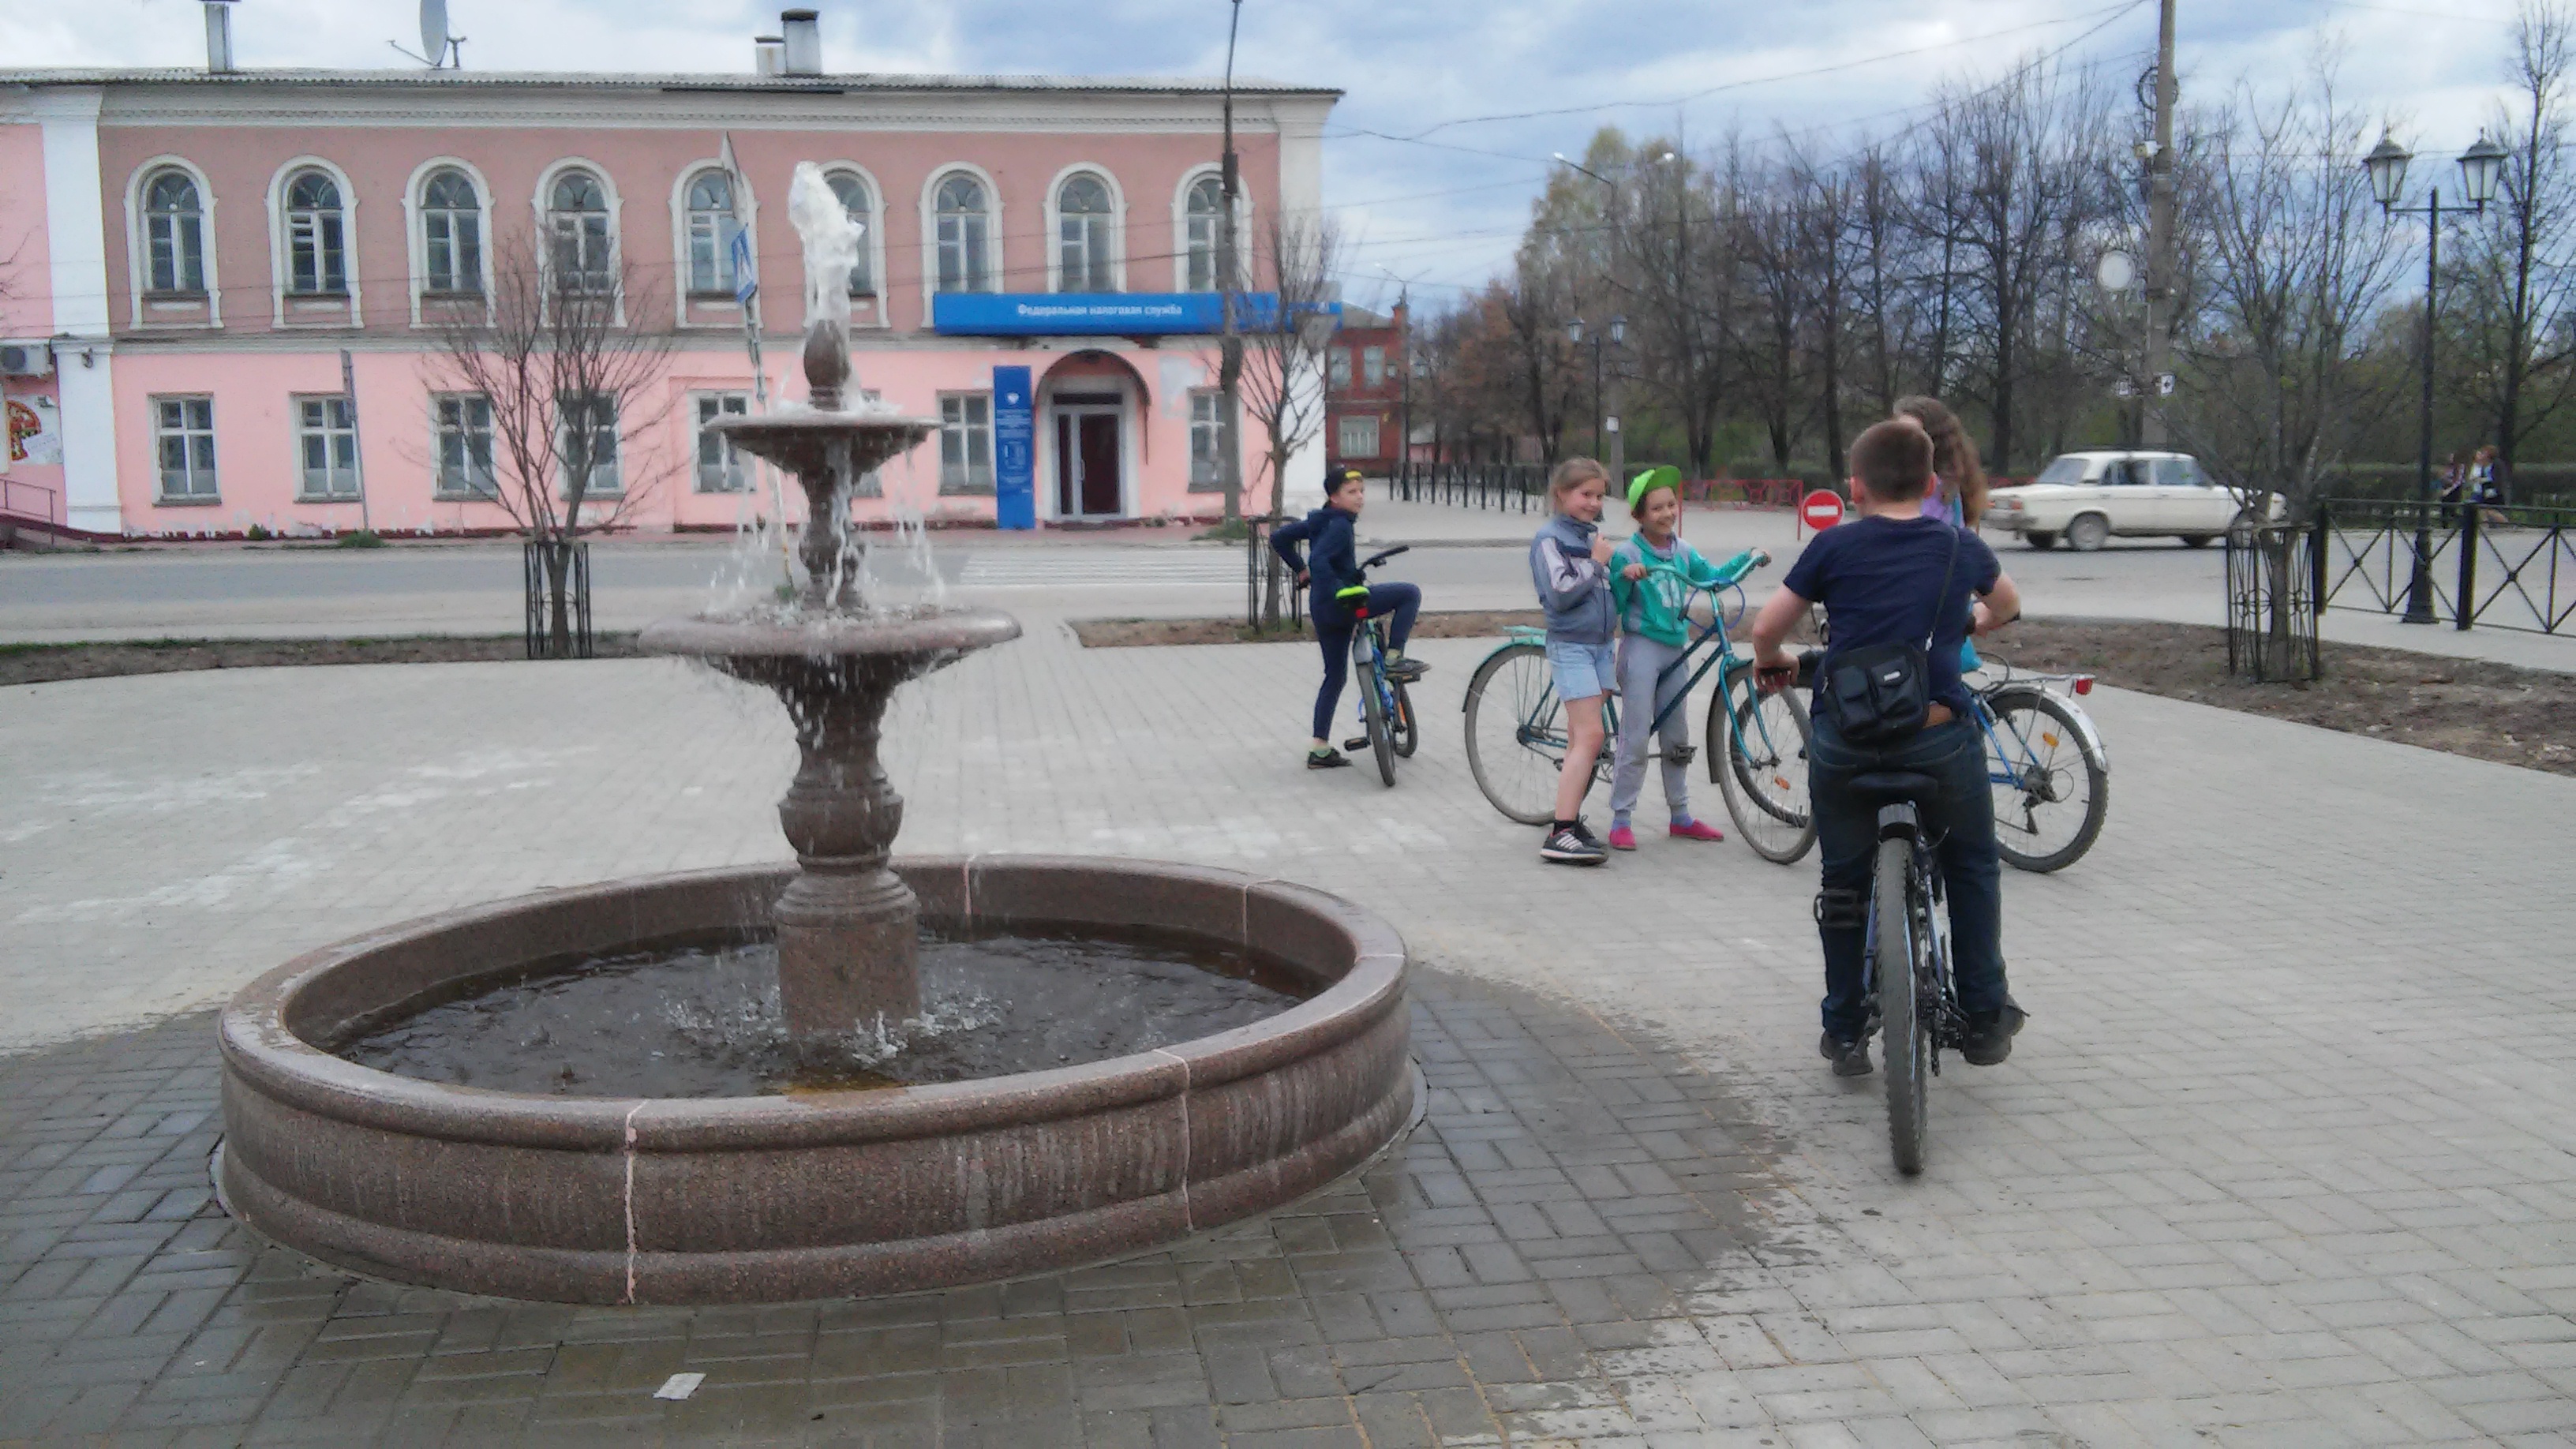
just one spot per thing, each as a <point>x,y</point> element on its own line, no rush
<point>1821,510</point>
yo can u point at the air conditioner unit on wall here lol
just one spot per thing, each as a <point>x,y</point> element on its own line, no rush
<point>26,359</point>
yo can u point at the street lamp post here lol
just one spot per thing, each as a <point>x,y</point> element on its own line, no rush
<point>2480,166</point>
<point>1404,360</point>
<point>1606,437</point>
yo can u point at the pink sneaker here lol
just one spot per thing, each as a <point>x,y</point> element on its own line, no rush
<point>1622,838</point>
<point>1698,830</point>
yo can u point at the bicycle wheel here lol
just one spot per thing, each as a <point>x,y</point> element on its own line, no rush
<point>1407,738</point>
<point>2051,792</point>
<point>1757,752</point>
<point>1516,732</point>
<point>1372,683</point>
<point>1895,949</point>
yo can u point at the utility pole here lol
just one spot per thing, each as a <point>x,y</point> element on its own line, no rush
<point>1229,280</point>
<point>2160,241</point>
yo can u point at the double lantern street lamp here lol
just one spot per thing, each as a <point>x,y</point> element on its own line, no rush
<point>2480,168</point>
<point>1607,438</point>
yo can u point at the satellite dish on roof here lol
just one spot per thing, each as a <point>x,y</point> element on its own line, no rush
<point>438,49</point>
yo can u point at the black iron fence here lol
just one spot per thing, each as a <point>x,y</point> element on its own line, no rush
<point>2273,585</point>
<point>1517,487</point>
<point>2460,564</point>
<point>547,598</point>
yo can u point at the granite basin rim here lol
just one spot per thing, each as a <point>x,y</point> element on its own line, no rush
<point>950,631</point>
<point>993,1177</point>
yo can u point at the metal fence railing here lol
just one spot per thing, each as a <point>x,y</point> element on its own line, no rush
<point>2274,581</point>
<point>1520,487</point>
<point>542,601</point>
<point>2480,564</point>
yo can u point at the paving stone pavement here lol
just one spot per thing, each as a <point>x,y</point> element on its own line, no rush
<point>2283,1158</point>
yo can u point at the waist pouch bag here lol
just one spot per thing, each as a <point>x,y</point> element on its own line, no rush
<point>1881,693</point>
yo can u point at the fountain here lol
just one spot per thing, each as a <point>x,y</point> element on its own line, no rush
<point>1081,1117</point>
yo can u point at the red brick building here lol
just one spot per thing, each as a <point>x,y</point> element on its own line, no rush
<point>1364,393</point>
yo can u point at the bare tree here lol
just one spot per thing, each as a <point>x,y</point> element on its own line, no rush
<point>1283,374</point>
<point>568,366</point>
<point>2514,333</point>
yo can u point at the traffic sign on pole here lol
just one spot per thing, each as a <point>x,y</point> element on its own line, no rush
<point>1821,510</point>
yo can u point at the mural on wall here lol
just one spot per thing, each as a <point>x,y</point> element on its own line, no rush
<point>35,431</point>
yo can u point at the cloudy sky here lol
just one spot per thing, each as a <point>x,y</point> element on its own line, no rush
<point>1428,184</point>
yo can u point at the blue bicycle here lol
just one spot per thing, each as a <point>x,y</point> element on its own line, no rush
<point>1386,710</point>
<point>1756,743</point>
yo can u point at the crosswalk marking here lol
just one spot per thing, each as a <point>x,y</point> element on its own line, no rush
<point>1125,568</point>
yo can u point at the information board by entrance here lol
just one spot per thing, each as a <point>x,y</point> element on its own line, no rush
<point>1015,474</point>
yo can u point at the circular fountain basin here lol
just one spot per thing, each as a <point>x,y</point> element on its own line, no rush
<point>820,1194</point>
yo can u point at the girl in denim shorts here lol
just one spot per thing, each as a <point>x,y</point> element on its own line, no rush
<point>1569,561</point>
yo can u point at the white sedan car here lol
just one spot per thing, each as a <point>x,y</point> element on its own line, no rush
<point>2086,498</point>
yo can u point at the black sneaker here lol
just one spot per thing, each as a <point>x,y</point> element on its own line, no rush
<point>1850,1058</point>
<point>1572,845</point>
<point>1327,760</point>
<point>1990,1033</point>
<point>1406,670</point>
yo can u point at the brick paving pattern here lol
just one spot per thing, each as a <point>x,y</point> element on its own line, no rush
<point>2284,1158</point>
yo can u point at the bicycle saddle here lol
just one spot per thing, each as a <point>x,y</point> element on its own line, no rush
<point>1896,787</point>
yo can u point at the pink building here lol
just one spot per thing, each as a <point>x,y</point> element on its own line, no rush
<point>186,257</point>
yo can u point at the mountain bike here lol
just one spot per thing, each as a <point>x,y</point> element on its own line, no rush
<point>1517,733</point>
<point>1386,709</point>
<point>2050,772</point>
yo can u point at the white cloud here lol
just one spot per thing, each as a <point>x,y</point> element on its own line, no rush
<point>1447,213</point>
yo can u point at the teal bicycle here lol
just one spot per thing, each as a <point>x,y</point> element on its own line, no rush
<point>1756,743</point>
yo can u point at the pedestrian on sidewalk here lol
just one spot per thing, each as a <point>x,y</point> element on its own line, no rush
<point>1569,562</point>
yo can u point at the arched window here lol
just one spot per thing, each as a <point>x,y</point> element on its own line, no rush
<point>317,243</point>
<point>852,188</point>
<point>711,229</point>
<point>965,235</point>
<point>1205,204</point>
<point>1085,259</point>
<point>174,225</point>
<point>451,231</point>
<point>585,259</point>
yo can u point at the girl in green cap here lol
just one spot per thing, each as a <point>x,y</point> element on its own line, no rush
<point>1651,579</point>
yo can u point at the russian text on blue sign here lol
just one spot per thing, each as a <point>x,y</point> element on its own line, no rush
<point>1111,314</point>
<point>1015,495</point>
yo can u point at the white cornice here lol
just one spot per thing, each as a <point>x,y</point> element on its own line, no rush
<point>1041,112</point>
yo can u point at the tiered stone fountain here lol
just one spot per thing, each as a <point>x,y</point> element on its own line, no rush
<point>803,1191</point>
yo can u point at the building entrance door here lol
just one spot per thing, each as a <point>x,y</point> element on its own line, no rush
<point>1087,466</point>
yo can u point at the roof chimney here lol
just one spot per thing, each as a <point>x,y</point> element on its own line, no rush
<point>768,54</point>
<point>804,42</point>
<point>219,36</point>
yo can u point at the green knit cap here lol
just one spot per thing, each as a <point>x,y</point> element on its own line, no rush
<point>1650,480</point>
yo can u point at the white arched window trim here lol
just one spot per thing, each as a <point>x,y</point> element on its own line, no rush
<point>616,219</point>
<point>415,223</point>
<point>997,266</point>
<point>277,266</point>
<point>875,240</point>
<point>1117,223</point>
<point>1181,227</point>
<point>745,201</point>
<point>138,258</point>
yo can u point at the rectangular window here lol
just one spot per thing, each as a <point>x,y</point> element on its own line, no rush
<point>711,254</point>
<point>183,431</point>
<point>463,423</point>
<point>178,253</point>
<point>1373,366</point>
<point>1207,440</point>
<point>454,242</point>
<point>720,468</point>
<point>961,253</point>
<point>1339,362</point>
<point>966,442</point>
<point>316,262</point>
<point>1359,437</point>
<point>326,445</point>
<point>586,439</point>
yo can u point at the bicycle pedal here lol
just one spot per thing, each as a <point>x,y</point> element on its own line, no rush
<point>1681,754</point>
<point>1356,744</point>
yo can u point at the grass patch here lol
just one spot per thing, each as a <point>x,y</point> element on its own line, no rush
<point>53,663</point>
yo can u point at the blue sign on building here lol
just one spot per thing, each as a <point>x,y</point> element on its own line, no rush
<point>1015,437</point>
<point>1102,314</point>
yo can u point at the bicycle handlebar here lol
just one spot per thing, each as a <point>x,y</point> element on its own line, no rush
<point>1373,560</point>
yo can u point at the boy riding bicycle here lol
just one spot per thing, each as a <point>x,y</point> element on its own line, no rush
<point>1335,592</point>
<point>1894,576</point>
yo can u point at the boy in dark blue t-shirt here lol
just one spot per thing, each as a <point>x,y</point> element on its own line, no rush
<point>1878,577</point>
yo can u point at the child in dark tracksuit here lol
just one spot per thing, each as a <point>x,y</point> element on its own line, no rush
<point>1331,568</point>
